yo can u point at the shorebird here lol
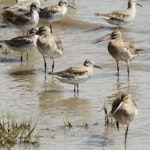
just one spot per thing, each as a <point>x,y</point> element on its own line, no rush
<point>49,45</point>
<point>23,21</point>
<point>124,110</point>
<point>119,49</point>
<point>121,17</point>
<point>77,74</point>
<point>21,43</point>
<point>22,5</point>
<point>55,12</point>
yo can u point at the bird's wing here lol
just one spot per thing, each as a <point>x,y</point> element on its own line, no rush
<point>129,47</point>
<point>15,18</point>
<point>48,11</point>
<point>72,72</point>
<point>58,43</point>
<point>19,41</point>
<point>116,15</point>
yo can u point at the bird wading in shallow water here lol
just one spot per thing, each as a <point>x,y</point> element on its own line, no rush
<point>124,110</point>
<point>49,45</point>
<point>77,74</point>
<point>22,43</point>
<point>119,49</point>
<point>55,12</point>
<point>121,17</point>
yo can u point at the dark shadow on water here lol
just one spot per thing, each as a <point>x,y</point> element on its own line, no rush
<point>5,26</point>
<point>95,29</point>
<point>23,72</point>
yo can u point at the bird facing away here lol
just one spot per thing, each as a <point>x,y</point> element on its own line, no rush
<point>49,45</point>
<point>77,74</point>
<point>119,49</point>
<point>124,110</point>
<point>121,17</point>
<point>25,21</point>
<point>22,5</point>
<point>55,12</point>
<point>21,43</point>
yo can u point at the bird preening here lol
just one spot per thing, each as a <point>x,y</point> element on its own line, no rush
<point>124,110</point>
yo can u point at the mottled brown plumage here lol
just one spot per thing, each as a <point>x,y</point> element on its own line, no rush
<point>49,45</point>
<point>21,43</point>
<point>55,12</point>
<point>22,6</point>
<point>22,21</point>
<point>77,74</point>
<point>119,49</point>
<point>124,110</point>
<point>121,17</point>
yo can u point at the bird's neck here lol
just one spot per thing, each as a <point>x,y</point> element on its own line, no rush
<point>35,15</point>
<point>131,6</point>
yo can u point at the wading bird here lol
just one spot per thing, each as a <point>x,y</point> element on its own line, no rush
<point>77,74</point>
<point>119,49</point>
<point>124,110</point>
<point>121,17</point>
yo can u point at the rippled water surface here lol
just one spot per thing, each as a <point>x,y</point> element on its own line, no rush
<point>26,93</point>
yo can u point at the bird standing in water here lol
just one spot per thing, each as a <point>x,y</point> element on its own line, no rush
<point>124,110</point>
<point>55,12</point>
<point>121,17</point>
<point>119,49</point>
<point>49,45</point>
<point>77,74</point>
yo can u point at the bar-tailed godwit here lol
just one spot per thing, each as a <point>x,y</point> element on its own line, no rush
<point>119,49</point>
<point>124,110</point>
<point>49,45</point>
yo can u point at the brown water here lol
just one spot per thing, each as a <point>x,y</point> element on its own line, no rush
<point>25,92</point>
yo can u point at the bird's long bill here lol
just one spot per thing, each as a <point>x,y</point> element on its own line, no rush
<point>119,106</point>
<point>105,38</point>
<point>38,32</point>
<point>97,67</point>
<point>69,5</point>
<point>139,5</point>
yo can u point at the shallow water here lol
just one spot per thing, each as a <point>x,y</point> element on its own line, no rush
<point>26,93</point>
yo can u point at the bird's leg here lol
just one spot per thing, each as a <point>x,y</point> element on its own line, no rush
<point>51,28</point>
<point>117,124</point>
<point>77,90</point>
<point>27,56</point>
<point>21,57</point>
<point>128,68</point>
<point>126,134</point>
<point>77,87</point>
<point>117,67</point>
<point>53,65</point>
<point>74,88</point>
<point>45,64</point>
